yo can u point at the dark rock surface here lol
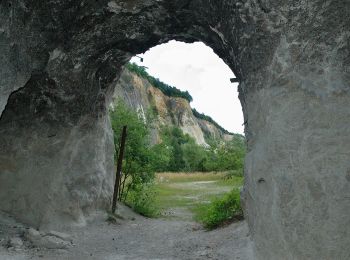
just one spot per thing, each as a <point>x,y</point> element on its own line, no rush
<point>59,63</point>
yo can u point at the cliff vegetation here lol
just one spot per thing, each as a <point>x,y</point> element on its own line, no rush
<point>178,152</point>
<point>165,88</point>
<point>166,135</point>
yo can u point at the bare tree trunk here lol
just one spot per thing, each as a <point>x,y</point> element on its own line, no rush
<point>119,169</point>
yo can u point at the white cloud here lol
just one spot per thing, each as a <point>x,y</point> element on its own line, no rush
<point>196,68</point>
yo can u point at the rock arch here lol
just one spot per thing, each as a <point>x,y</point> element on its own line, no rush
<point>61,59</point>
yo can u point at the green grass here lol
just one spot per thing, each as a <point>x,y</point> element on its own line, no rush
<point>196,193</point>
<point>187,177</point>
<point>220,211</point>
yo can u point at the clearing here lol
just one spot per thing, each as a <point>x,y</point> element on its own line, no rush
<point>180,195</point>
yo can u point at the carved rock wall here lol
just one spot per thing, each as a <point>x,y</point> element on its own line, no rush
<point>292,60</point>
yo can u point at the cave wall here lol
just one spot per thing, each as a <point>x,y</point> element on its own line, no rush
<point>60,61</point>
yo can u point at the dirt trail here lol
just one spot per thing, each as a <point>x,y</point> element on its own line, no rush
<point>136,238</point>
<point>174,236</point>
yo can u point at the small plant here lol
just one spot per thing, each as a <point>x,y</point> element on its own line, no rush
<point>142,200</point>
<point>220,211</point>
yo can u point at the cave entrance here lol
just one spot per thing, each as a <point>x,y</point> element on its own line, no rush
<point>183,95</point>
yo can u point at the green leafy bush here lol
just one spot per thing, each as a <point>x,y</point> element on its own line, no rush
<point>220,211</point>
<point>179,152</point>
<point>138,169</point>
<point>142,200</point>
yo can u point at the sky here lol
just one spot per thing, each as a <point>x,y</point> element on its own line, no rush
<point>196,68</point>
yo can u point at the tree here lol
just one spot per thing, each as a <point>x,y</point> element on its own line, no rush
<point>195,156</point>
<point>137,163</point>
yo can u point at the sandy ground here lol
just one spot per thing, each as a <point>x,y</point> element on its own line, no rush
<point>175,236</point>
<point>134,238</point>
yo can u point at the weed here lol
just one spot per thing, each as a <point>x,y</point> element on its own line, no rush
<point>142,200</point>
<point>220,211</point>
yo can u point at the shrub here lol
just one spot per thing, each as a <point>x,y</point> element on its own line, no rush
<point>138,170</point>
<point>220,211</point>
<point>142,200</point>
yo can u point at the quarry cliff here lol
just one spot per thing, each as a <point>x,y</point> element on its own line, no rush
<point>142,96</point>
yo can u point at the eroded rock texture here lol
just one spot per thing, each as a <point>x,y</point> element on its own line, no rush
<point>292,59</point>
<point>142,97</point>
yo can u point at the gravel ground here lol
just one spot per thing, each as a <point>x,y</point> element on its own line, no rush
<point>134,238</point>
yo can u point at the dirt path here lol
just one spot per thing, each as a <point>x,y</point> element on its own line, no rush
<point>136,239</point>
<point>174,236</point>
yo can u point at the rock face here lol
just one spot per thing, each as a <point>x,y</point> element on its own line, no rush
<point>142,97</point>
<point>291,58</point>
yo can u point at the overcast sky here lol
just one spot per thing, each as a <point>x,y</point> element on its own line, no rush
<point>197,69</point>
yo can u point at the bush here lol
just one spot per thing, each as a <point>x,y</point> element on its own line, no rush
<point>179,152</point>
<point>220,211</point>
<point>142,200</point>
<point>138,170</point>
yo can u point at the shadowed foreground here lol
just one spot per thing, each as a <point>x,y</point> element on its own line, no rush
<point>141,238</point>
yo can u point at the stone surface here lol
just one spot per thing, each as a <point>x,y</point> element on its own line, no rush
<point>60,235</point>
<point>291,58</point>
<point>15,242</point>
<point>48,240</point>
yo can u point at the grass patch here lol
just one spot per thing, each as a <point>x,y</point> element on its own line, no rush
<point>234,182</point>
<point>192,192</point>
<point>212,199</point>
<point>187,177</point>
<point>220,211</point>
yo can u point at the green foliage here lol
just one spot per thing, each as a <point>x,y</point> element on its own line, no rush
<point>220,211</point>
<point>138,170</point>
<point>179,152</point>
<point>171,153</point>
<point>165,88</point>
<point>190,190</point>
<point>142,200</point>
<point>227,156</point>
<point>195,157</point>
<point>175,138</point>
<point>162,155</point>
